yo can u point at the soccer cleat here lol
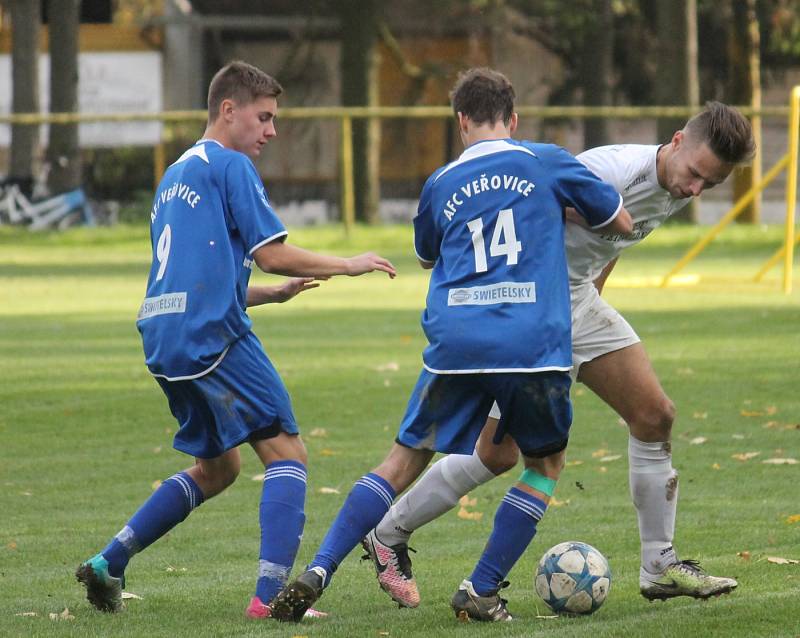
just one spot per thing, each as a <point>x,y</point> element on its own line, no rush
<point>103,590</point>
<point>684,578</point>
<point>393,567</point>
<point>469,606</point>
<point>257,610</point>
<point>294,600</point>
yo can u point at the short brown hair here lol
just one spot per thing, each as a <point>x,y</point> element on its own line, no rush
<point>241,82</point>
<point>726,131</point>
<point>483,95</point>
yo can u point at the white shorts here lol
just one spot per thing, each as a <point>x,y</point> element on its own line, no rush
<point>597,329</point>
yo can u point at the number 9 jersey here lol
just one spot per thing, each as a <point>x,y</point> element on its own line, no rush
<point>209,215</point>
<point>492,223</point>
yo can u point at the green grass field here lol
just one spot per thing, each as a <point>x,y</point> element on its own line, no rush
<point>85,433</point>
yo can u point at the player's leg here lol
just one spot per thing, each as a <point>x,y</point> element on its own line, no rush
<point>443,413</point>
<point>281,512</point>
<point>171,503</point>
<point>625,379</point>
<point>365,505</point>
<point>435,493</point>
<point>537,414</point>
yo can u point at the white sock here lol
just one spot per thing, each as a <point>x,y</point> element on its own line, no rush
<point>436,492</point>
<point>654,489</point>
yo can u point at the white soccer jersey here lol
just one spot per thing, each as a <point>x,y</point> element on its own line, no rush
<point>631,169</point>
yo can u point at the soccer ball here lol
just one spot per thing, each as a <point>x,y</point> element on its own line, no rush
<point>573,578</point>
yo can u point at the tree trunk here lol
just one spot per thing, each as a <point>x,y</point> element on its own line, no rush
<point>597,71</point>
<point>26,21</point>
<point>745,88</point>
<point>360,66</point>
<point>677,46</point>
<point>63,153</point>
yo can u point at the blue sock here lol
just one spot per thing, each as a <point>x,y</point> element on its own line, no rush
<point>168,506</point>
<point>514,529</point>
<point>365,506</point>
<point>282,518</point>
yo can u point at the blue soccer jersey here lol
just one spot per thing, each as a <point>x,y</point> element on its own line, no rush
<point>209,214</point>
<point>492,221</point>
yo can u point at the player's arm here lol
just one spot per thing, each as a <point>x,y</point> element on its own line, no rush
<point>258,295</point>
<point>622,224</point>
<point>601,278</point>
<point>281,258</point>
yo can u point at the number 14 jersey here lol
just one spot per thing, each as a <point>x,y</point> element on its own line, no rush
<point>492,223</point>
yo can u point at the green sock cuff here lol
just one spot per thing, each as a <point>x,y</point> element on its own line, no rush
<point>538,482</point>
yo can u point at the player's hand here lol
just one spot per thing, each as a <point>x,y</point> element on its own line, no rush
<point>369,262</point>
<point>294,287</point>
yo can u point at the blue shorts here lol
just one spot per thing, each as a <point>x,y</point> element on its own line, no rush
<point>447,412</point>
<point>242,399</point>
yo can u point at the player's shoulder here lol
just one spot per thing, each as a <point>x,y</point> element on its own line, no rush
<point>634,157</point>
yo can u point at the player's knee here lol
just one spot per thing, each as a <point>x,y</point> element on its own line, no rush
<point>654,421</point>
<point>499,459</point>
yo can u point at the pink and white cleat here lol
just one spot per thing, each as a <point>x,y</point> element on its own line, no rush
<point>393,567</point>
<point>256,609</point>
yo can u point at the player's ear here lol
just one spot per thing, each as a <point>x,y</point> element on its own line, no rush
<point>677,139</point>
<point>226,109</point>
<point>512,123</point>
<point>462,122</point>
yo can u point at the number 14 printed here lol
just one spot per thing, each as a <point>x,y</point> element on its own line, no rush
<point>504,240</point>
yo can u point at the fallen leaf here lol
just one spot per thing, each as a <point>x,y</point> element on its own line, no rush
<point>779,461</point>
<point>745,456</point>
<point>328,452</point>
<point>466,501</point>
<point>157,450</point>
<point>794,518</point>
<point>170,568</point>
<point>573,463</point>
<point>12,545</point>
<point>777,560</point>
<point>738,437</point>
<point>743,555</point>
<point>320,433</point>
<point>328,490</point>
<point>598,453</point>
<point>611,457</point>
<point>751,413</point>
<point>386,383</point>
<point>27,613</point>
<point>64,615</point>
<point>771,409</point>
<point>579,392</point>
<point>257,477</point>
<point>155,484</point>
<point>770,424</point>
<point>554,502</point>
<point>603,468</point>
<point>546,617</point>
<point>385,428</point>
<point>405,338</point>
<point>716,466</point>
<point>700,415</point>
<point>391,366</point>
<point>463,513</point>
<point>129,595</point>
<point>383,633</point>
<point>698,440</point>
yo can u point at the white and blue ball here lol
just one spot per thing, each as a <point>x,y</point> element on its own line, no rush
<point>573,578</point>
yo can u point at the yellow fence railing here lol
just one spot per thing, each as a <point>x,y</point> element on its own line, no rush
<point>346,115</point>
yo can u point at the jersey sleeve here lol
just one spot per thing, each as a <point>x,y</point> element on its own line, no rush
<point>596,201</point>
<point>426,235</point>
<point>249,207</point>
